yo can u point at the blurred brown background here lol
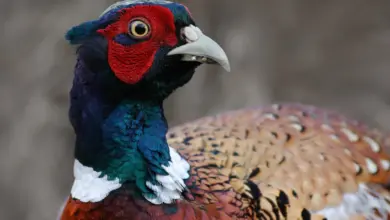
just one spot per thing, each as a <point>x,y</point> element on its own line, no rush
<point>334,54</point>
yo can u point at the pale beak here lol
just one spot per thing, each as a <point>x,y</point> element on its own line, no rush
<point>200,48</point>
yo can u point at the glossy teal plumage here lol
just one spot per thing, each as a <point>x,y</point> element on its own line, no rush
<point>134,143</point>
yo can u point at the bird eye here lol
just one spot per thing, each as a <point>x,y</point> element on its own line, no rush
<point>139,29</point>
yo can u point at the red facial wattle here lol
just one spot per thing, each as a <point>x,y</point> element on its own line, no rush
<point>130,62</point>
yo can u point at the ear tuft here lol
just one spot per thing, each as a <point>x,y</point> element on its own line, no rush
<point>79,33</point>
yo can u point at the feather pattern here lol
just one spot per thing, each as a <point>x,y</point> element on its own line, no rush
<point>170,186</point>
<point>282,162</point>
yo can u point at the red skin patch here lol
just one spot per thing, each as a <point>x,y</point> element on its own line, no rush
<point>130,63</point>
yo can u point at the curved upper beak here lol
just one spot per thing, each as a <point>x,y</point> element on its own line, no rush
<point>201,48</point>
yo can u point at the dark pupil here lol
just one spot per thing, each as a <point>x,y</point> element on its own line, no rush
<point>140,29</point>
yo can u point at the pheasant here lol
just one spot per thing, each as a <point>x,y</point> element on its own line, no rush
<point>285,161</point>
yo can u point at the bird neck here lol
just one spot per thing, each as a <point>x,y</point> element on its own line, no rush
<point>114,139</point>
<point>122,142</point>
<point>120,137</point>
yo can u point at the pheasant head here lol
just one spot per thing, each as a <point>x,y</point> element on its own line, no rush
<point>145,49</point>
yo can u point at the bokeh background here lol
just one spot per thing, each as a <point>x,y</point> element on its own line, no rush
<point>334,54</point>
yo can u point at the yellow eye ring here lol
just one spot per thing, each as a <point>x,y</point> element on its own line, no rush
<point>139,29</point>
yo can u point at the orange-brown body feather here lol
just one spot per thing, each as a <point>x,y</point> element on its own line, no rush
<point>277,162</point>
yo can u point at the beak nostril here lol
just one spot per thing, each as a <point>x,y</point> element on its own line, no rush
<point>189,34</point>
